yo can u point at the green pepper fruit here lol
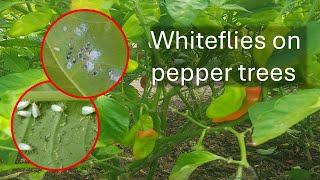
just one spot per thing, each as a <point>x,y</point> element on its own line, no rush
<point>145,122</point>
<point>144,143</point>
<point>132,66</point>
<point>229,102</point>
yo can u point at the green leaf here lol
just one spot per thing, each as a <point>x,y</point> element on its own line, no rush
<point>260,17</point>
<point>312,73</point>
<point>37,175</point>
<point>104,151</point>
<point>5,127</point>
<point>253,4</point>
<point>20,43</point>
<point>234,7</point>
<point>4,4</point>
<point>273,118</point>
<point>276,28</point>
<point>74,33</point>
<point>8,153</point>
<point>9,167</point>
<point>299,174</point>
<point>30,23</point>
<point>186,11</point>
<point>101,5</point>
<point>57,139</point>
<point>13,85</point>
<point>114,119</point>
<point>150,14</point>
<point>266,151</point>
<point>188,162</point>
<point>229,102</point>
<point>14,63</point>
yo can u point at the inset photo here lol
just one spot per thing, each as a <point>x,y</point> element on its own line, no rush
<point>53,131</point>
<point>85,53</point>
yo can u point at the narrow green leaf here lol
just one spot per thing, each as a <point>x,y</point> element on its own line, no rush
<point>188,162</point>
<point>273,118</point>
<point>234,7</point>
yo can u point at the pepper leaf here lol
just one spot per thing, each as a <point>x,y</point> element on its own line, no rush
<point>114,119</point>
<point>188,162</point>
<point>273,118</point>
<point>185,11</point>
<point>31,22</point>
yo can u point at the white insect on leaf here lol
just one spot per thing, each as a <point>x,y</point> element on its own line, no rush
<point>94,55</point>
<point>56,49</point>
<point>57,108</point>
<point>24,147</point>
<point>89,66</point>
<point>64,28</point>
<point>69,65</point>
<point>82,29</point>
<point>22,105</point>
<point>26,114</point>
<point>86,110</point>
<point>114,75</point>
<point>35,110</point>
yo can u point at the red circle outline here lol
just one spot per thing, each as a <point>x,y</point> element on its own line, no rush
<point>43,167</point>
<point>91,11</point>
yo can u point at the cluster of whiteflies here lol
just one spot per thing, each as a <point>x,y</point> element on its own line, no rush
<point>35,112</point>
<point>87,55</point>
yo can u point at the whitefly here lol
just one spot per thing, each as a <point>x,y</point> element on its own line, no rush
<point>86,110</point>
<point>89,66</point>
<point>24,147</point>
<point>57,108</point>
<point>114,74</point>
<point>35,110</point>
<point>22,105</point>
<point>26,114</point>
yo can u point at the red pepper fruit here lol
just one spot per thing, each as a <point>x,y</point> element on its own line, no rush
<point>253,95</point>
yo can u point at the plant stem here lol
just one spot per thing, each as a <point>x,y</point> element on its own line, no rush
<point>190,119</point>
<point>243,151</point>
<point>200,141</point>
